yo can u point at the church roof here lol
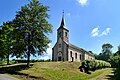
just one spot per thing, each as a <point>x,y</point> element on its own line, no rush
<point>71,45</point>
<point>63,24</point>
<point>81,49</point>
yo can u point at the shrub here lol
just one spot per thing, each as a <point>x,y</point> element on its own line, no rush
<point>92,65</point>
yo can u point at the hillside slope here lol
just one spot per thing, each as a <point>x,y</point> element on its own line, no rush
<point>59,71</point>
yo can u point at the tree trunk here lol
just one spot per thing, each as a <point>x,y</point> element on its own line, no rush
<point>8,59</point>
<point>28,54</point>
<point>28,59</point>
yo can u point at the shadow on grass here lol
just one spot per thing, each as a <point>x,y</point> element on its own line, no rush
<point>2,65</point>
<point>111,76</point>
<point>116,74</point>
<point>14,71</point>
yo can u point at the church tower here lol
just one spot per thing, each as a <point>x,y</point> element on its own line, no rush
<point>62,31</point>
<point>60,50</point>
<point>63,50</point>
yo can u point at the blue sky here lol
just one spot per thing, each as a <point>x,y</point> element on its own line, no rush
<point>91,23</point>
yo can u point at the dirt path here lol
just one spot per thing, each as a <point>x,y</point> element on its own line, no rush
<point>6,77</point>
<point>107,75</point>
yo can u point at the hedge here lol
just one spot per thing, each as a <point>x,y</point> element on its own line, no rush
<point>92,65</point>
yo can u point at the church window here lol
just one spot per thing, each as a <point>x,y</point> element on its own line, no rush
<point>60,34</point>
<point>70,53</point>
<point>75,55</point>
<point>66,34</point>
<point>59,45</point>
<point>80,57</point>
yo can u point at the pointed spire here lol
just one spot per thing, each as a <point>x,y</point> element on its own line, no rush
<point>63,14</point>
<point>63,25</point>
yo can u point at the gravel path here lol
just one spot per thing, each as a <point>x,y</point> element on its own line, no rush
<point>6,77</point>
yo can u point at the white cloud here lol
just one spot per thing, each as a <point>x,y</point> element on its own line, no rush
<point>82,2</point>
<point>96,32</point>
<point>105,32</point>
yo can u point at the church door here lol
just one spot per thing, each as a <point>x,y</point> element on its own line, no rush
<point>59,58</point>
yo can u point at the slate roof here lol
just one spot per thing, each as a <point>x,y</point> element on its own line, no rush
<point>80,49</point>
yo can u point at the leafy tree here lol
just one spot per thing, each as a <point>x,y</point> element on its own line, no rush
<point>6,40</point>
<point>107,49</point>
<point>2,56</point>
<point>118,52</point>
<point>97,56</point>
<point>106,52</point>
<point>115,59</point>
<point>32,29</point>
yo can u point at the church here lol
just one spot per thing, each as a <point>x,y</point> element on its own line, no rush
<point>63,50</point>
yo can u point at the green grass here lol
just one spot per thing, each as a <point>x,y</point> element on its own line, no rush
<point>5,62</point>
<point>53,71</point>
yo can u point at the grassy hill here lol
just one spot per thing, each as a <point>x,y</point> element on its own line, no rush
<point>51,71</point>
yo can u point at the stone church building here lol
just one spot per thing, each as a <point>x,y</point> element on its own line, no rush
<point>63,50</point>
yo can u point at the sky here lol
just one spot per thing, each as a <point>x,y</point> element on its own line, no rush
<point>91,23</point>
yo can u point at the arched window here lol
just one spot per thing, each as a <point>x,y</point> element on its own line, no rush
<point>80,57</point>
<point>75,55</point>
<point>65,34</point>
<point>70,53</point>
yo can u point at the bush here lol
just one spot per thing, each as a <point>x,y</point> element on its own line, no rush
<point>92,65</point>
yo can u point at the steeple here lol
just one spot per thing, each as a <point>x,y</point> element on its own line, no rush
<point>63,25</point>
<point>62,31</point>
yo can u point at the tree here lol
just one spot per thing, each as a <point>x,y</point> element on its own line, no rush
<point>106,52</point>
<point>2,56</point>
<point>118,52</point>
<point>32,30</point>
<point>115,58</point>
<point>6,40</point>
<point>107,49</point>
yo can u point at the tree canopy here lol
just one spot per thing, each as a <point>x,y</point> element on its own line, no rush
<point>6,40</point>
<point>106,52</point>
<point>32,27</point>
<point>30,30</point>
<point>108,45</point>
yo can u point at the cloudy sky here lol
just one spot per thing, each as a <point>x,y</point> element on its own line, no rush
<point>91,23</point>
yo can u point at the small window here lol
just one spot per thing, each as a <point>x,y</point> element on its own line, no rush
<point>75,55</point>
<point>70,53</point>
<point>66,34</point>
<point>59,45</point>
<point>80,57</point>
<point>60,34</point>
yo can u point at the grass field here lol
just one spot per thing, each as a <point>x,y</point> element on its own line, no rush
<point>51,71</point>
